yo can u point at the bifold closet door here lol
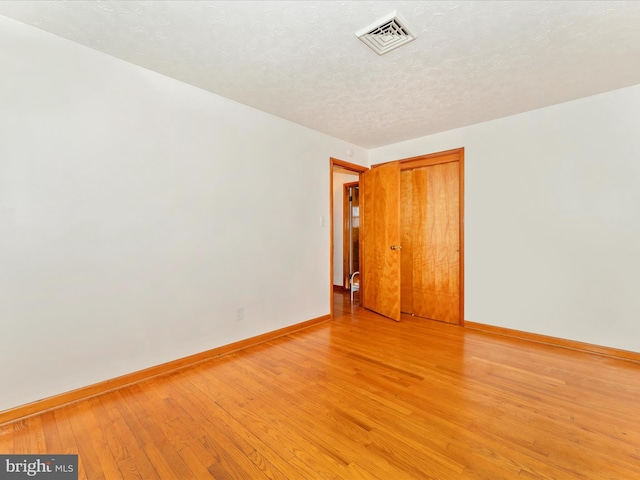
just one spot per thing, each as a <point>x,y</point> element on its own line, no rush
<point>430,233</point>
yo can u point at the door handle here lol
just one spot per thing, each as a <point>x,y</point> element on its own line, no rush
<point>393,247</point>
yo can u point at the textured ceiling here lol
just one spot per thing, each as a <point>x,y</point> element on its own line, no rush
<point>472,61</point>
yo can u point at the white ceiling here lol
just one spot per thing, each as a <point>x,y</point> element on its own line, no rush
<point>472,61</point>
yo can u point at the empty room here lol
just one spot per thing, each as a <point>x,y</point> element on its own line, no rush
<point>378,240</point>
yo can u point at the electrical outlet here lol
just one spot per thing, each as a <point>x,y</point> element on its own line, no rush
<point>239,313</point>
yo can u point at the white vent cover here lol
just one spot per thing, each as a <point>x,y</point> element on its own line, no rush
<point>386,34</point>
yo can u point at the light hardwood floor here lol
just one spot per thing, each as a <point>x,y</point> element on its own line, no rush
<point>361,397</point>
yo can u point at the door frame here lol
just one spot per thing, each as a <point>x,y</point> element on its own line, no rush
<point>446,156</point>
<point>456,154</point>
<point>352,167</point>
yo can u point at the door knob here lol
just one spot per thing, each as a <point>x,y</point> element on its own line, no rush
<point>393,247</point>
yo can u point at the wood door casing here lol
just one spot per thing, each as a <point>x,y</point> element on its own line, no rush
<point>380,230</point>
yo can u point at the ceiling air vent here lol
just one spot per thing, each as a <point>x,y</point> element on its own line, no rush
<point>386,34</point>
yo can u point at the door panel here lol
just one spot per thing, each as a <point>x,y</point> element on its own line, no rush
<point>425,277</point>
<point>429,231</point>
<point>438,272</point>
<point>419,234</point>
<point>406,240</point>
<point>380,231</point>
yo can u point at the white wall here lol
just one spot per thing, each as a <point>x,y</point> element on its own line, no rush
<point>552,218</point>
<point>339,179</point>
<point>137,213</point>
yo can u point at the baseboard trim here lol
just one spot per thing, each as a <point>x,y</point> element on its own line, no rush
<point>556,342</point>
<point>51,403</point>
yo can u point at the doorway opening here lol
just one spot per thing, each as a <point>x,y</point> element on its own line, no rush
<point>345,240</point>
<point>350,232</point>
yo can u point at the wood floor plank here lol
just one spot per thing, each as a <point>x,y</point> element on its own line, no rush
<point>7,438</point>
<point>97,459</point>
<point>51,431</point>
<point>164,458</point>
<point>322,458</point>
<point>36,433</point>
<point>122,440</point>
<point>361,397</point>
<point>22,439</point>
<point>233,436</point>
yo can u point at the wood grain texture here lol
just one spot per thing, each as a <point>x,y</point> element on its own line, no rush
<point>423,256</point>
<point>431,280</point>
<point>454,155</point>
<point>430,226</point>
<point>437,158</point>
<point>440,280</point>
<point>361,397</point>
<point>380,230</point>
<point>406,240</point>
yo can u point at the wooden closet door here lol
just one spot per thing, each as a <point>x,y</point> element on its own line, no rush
<point>436,242</point>
<point>380,234</point>
<point>406,241</point>
<point>430,237</point>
